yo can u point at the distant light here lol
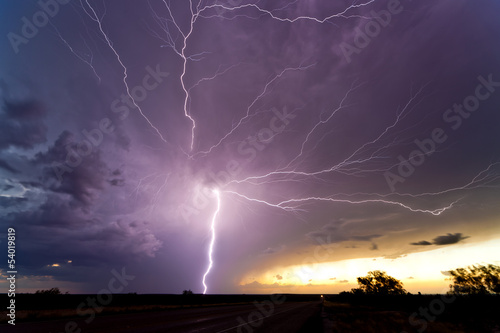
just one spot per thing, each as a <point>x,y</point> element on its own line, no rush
<point>55,265</point>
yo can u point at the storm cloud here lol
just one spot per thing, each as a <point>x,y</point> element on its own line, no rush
<point>447,239</point>
<point>121,130</point>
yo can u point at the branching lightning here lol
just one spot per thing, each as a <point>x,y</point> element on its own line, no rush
<point>90,56</point>
<point>198,12</point>
<point>363,159</point>
<point>354,164</point>
<point>248,112</point>
<point>93,15</point>
<point>261,10</point>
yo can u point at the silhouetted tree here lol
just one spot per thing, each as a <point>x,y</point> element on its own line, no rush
<point>379,283</point>
<point>187,292</point>
<point>51,291</point>
<point>476,280</point>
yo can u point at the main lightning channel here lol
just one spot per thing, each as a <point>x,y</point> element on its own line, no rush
<point>212,242</point>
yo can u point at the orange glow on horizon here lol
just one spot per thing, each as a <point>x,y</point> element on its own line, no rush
<point>419,272</point>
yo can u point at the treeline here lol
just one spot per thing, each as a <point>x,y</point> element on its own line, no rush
<point>472,280</point>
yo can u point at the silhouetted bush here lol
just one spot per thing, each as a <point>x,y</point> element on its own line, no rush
<point>379,283</point>
<point>51,291</point>
<point>476,280</point>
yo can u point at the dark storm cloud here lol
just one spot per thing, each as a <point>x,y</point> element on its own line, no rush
<point>116,206</point>
<point>54,213</point>
<point>424,242</point>
<point>336,232</point>
<point>11,201</point>
<point>6,166</point>
<point>21,124</point>
<point>116,181</point>
<point>83,182</point>
<point>31,184</point>
<point>6,187</point>
<point>58,150</point>
<point>449,239</point>
<point>24,111</point>
<point>443,240</point>
<point>60,232</point>
<point>64,225</point>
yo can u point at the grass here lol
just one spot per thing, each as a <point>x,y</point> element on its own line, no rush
<point>354,319</point>
<point>367,316</point>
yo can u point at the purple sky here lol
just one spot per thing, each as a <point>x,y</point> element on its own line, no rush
<point>371,129</point>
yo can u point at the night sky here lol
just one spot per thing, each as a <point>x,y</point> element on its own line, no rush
<point>336,137</point>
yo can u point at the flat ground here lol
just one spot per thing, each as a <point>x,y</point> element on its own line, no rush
<point>280,318</point>
<point>256,313</point>
<point>408,314</point>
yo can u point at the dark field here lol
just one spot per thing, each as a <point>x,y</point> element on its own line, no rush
<point>31,307</point>
<point>253,313</point>
<point>413,313</point>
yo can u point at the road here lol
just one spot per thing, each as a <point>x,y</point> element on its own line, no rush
<point>288,317</point>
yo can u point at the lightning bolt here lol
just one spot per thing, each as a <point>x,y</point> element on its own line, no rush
<point>435,212</point>
<point>89,61</point>
<point>341,167</point>
<point>93,16</point>
<point>364,158</point>
<point>249,108</point>
<point>261,10</point>
<point>212,242</point>
<point>199,11</point>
